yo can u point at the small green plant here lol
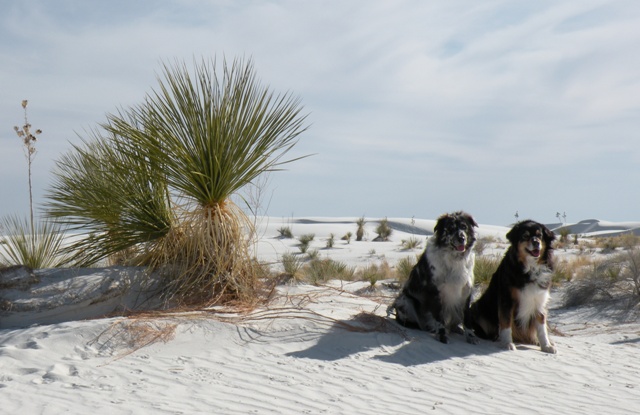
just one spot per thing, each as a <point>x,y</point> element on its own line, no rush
<point>323,270</point>
<point>404,267</point>
<point>383,230</point>
<point>285,232</point>
<point>411,243</point>
<point>484,268</point>
<point>305,241</point>
<point>36,248</point>
<point>292,264</point>
<point>564,234</point>
<point>360,230</point>
<point>347,237</point>
<point>313,254</point>
<point>331,240</point>
<point>374,273</point>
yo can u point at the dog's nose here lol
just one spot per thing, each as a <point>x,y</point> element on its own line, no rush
<point>535,242</point>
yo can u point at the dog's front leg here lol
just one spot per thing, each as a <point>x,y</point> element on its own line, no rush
<point>438,322</point>
<point>543,336</point>
<point>505,326</point>
<point>466,323</point>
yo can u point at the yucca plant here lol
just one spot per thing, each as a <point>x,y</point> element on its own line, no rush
<point>114,194</point>
<point>35,244</point>
<point>199,138</point>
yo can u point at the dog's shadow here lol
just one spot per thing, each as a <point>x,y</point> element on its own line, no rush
<point>351,338</point>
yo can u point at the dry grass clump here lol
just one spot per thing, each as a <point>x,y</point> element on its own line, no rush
<point>411,243</point>
<point>320,271</point>
<point>484,268</point>
<point>374,273</point>
<point>130,335</point>
<point>623,241</point>
<point>404,267</point>
<point>612,277</point>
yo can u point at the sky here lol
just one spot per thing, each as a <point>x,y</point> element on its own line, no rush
<point>415,107</point>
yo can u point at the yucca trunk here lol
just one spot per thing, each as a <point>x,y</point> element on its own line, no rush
<point>206,259</point>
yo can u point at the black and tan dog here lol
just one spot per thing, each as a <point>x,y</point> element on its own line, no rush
<point>438,290</point>
<point>513,308</point>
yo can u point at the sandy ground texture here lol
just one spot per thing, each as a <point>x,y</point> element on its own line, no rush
<point>314,350</point>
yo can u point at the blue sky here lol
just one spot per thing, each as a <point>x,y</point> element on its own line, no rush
<point>416,108</point>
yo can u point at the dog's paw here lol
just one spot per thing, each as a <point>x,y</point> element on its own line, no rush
<point>442,336</point>
<point>457,330</point>
<point>510,346</point>
<point>471,339</point>
<point>549,349</point>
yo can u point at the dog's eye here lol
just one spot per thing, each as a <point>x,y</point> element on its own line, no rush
<point>463,227</point>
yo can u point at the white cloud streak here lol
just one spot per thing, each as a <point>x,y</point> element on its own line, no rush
<point>444,104</point>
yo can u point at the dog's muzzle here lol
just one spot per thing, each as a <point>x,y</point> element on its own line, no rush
<point>535,248</point>
<point>460,242</point>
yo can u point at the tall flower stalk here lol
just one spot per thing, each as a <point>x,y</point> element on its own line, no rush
<point>29,140</point>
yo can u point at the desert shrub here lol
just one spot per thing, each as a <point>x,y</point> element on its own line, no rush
<point>331,240</point>
<point>305,241</point>
<point>36,244</point>
<point>404,267</point>
<point>383,230</point>
<point>605,279</point>
<point>313,254</point>
<point>563,270</point>
<point>347,237</point>
<point>411,243</point>
<point>374,272</point>
<point>285,232</point>
<point>292,264</point>
<point>484,268</point>
<point>624,241</point>
<point>160,177</point>
<point>360,228</point>
<point>321,270</point>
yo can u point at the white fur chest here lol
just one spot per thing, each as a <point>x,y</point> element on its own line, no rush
<point>535,295</point>
<point>452,272</point>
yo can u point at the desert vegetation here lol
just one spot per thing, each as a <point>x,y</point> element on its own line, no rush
<point>34,242</point>
<point>157,179</point>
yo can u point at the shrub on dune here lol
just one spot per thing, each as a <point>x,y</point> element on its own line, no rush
<point>163,178</point>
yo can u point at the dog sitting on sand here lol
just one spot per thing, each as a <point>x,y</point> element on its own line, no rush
<point>513,308</point>
<point>438,290</point>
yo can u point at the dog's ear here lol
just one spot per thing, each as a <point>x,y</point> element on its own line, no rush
<point>470,219</point>
<point>513,235</point>
<point>440,224</point>
<point>549,236</point>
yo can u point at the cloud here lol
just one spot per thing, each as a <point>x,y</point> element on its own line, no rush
<point>403,92</point>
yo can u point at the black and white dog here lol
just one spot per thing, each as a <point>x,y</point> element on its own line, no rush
<point>513,308</point>
<point>438,291</point>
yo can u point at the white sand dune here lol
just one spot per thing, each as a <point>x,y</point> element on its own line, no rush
<point>314,350</point>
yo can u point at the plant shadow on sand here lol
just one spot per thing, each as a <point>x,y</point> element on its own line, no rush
<point>399,345</point>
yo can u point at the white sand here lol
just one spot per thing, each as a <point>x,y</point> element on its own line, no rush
<point>312,351</point>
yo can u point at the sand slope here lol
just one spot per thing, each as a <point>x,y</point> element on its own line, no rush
<point>314,350</point>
